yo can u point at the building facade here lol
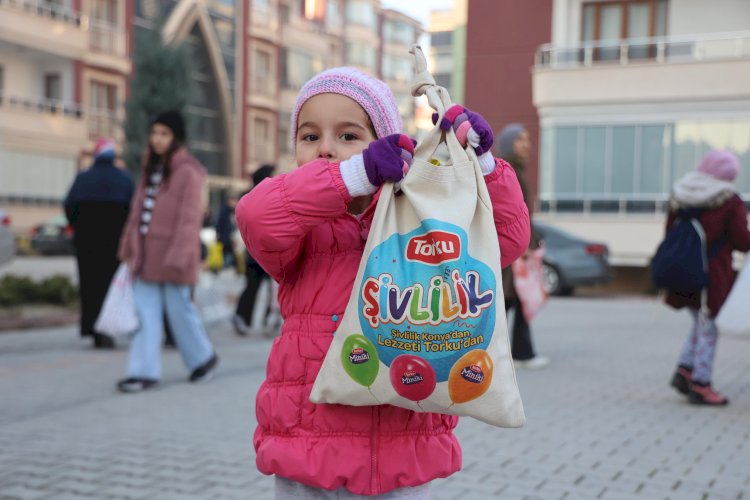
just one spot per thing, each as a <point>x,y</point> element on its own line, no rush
<point>63,77</point>
<point>631,94</point>
<point>621,98</point>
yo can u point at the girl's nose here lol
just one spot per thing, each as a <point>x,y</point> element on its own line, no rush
<point>326,149</point>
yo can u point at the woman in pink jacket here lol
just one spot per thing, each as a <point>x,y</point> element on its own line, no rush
<point>308,229</point>
<point>161,245</point>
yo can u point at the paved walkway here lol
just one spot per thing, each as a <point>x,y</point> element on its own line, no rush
<point>602,422</point>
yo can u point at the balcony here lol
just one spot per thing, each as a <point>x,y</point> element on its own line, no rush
<point>108,47</point>
<point>104,123</point>
<point>700,67</point>
<point>44,26</point>
<point>42,125</point>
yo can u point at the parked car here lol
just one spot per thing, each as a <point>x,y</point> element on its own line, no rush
<point>7,239</point>
<point>53,237</point>
<point>570,261</point>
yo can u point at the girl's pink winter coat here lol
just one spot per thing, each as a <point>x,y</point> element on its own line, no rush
<point>297,227</point>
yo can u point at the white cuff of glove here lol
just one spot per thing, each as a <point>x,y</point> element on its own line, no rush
<point>487,163</point>
<point>355,177</point>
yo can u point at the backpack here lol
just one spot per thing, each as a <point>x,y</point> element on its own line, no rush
<point>681,261</point>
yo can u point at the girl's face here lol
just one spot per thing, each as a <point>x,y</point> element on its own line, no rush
<point>331,126</point>
<point>161,138</point>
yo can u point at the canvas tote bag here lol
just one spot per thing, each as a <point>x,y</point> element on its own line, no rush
<point>425,326</point>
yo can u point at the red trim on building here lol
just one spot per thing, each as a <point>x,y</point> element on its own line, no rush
<point>244,108</point>
<point>501,39</point>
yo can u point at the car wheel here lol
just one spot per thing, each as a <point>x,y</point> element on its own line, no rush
<point>551,280</point>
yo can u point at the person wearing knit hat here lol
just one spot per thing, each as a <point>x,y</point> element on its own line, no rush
<point>174,120</point>
<point>513,144</point>
<point>307,228</point>
<point>709,195</point>
<point>97,206</point>
<point>161,246</point>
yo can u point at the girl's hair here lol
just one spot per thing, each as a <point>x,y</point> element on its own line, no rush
<point>154,160</point>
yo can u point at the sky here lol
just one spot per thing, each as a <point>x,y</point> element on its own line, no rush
<point>418,9</point>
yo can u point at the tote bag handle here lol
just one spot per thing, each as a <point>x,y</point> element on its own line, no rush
<point>440,101</point>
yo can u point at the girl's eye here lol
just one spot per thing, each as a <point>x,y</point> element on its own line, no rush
<point>310,137</point>
<point>349,137</point>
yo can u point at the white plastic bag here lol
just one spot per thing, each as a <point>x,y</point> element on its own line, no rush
<point>118,316</point>
<point>734,317</point>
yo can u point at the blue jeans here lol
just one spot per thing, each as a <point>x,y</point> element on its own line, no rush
<point>151,301</point>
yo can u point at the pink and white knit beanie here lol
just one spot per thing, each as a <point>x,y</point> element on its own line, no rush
<point>720,164</point>
<point>372,94</point>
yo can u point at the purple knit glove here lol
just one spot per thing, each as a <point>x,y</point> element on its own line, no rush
<point>388,158</point>
<point>469,127</point>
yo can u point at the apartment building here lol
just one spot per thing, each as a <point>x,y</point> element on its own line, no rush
<point>621,97</point>
<point>63,73</point>
<point>286,42</point>
<point>447,54</point>
<point>631,94</point>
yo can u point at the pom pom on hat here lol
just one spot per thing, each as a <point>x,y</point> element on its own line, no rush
<point>720,164</point>
<point>372,94</point>
<point>104,148</point>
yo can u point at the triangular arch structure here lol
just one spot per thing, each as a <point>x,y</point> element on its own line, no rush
<point>187,17</point>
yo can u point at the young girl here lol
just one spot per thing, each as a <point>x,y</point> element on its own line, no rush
<point>308,229</point>
<point>161,246</point>
<point>711,190</point>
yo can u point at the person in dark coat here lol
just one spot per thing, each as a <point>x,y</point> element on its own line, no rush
<point>710,188</point>
<point>97,207</point>
<point>225,227</point>
<point>514,146</point>
<point>254,274</point>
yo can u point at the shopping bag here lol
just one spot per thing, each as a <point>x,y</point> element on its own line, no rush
<point>734,317</point>
<point>118,316</point>
<point>425,325</point>
<point>215,258</point>
<point>529,284</point>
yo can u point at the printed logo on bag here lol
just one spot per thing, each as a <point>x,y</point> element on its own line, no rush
<point>359,356</point>
<point>473,374</point>
<point>424,295</point>
<point>434,247</point>
<point>411,377</point>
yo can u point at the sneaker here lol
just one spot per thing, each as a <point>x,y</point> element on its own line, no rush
<point>704,394</point>
<point>682,379</point>
<point>205,372</point>
<point>134,384</point>
<point>532,363</point>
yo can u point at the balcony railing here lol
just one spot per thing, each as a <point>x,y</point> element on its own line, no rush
<point>40,105</point>
<point>46,9</point>
<point>105,38</point>
<point>730,45</point>
<point>103,123</point>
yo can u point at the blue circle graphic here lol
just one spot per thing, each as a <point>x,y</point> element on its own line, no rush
<point>423,294</point>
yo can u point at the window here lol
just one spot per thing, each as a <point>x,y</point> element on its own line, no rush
<point>285,141</point>
<point>361,12</point>
<point>360,54</point>
<point>609,22</point>
<point>261,147</point>
<point>104,11</point>
<point>299,67</point>
<point>262,78</point>
<point>103,109</point>
<point>334,20</point>
<point>397,68</point>
<point>398,32</point>
<point>441,38</point>
<point>52,86</point>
